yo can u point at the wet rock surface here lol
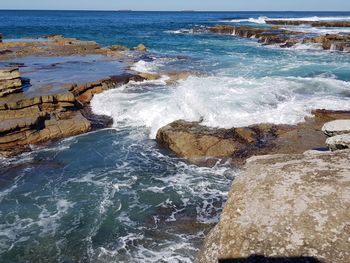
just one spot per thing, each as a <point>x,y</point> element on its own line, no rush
<point>287,38</point>
<point>199,143</point>
<point>311,23</point>
<point>286,206</point>
<point>51,100</point>
<point>45,109</point>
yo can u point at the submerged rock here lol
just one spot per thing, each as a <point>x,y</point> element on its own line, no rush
<point>286,206</point>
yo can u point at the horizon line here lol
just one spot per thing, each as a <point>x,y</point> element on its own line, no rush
<point>189,11</point>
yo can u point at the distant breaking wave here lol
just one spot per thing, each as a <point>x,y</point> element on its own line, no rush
<point>263,19</point>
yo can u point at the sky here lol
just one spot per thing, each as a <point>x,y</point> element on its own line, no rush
<point>176,5</point>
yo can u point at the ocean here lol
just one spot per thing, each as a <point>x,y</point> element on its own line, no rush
<point>114,195</point>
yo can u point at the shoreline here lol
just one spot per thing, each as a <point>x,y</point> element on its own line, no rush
<point>55,115</point>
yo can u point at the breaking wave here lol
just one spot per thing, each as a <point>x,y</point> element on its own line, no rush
<point>223,101</point>
<point>263,19</point>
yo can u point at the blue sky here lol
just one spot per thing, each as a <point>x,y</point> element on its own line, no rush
<point>220,5</point>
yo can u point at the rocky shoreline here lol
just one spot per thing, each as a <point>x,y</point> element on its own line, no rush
<point>48,112</point>
<point>311,23</point>
<point>284,38</point>
<point>292,198</point>
<point>291,203</point>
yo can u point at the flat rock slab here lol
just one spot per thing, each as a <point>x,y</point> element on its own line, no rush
<point>9,73</point>
<point>339,142</point>
<point>336,127</point>
<point>286,206</point>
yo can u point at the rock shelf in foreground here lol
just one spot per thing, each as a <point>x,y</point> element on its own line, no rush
<point>293,204</point>
<point>286,206</point>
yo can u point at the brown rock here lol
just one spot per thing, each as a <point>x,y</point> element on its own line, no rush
<point>118,48</point>
<point>140,48</point>
<point>149,76</point>
<point>198,143</point>
<point>267,36</point>
<point>10,81</point>
<point>312,23</point>
<point>330,42</point>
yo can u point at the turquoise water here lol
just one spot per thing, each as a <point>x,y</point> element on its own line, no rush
<point>114,195</point>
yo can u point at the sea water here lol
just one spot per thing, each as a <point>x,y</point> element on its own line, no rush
<point>114,195</point>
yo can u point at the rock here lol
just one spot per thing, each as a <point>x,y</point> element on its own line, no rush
<point>336,127</point>
<point>286,206</point>
<point>199,143</point>
<point>54,46</point>
<point>97,121</point>
<point>84,92</point>
<point>339,142</point>
<point>149,76</point>
<point>287,38</point>
<point>118,48</point>
<point>289,43</point>
<point>10,81</point>
<point>175,77</point>
<point>330,42</point>
<point>267,36</point>
<point>21,132</point>
<point>312,23</point>
<point>0,38</point>
<point>140,48</point>
<point>341,46</point>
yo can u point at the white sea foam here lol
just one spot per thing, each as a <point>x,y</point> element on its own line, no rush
<point>145,66</point>
<point>300,46</point>
<point>180,31</point>
<point>319,30</point>
<point>263,19</point>
<point>224,101</point>
<point>49,221</point>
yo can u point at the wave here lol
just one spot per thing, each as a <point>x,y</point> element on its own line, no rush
<point>263,19</point>
<point>146,66</point>
<point>180,31</point>
<point>223,101</point>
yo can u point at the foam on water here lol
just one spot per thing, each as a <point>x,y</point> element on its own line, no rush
<point>319,30</point>
<point>223,101</point>
<point>145,66</point>
<point>263,19</point>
